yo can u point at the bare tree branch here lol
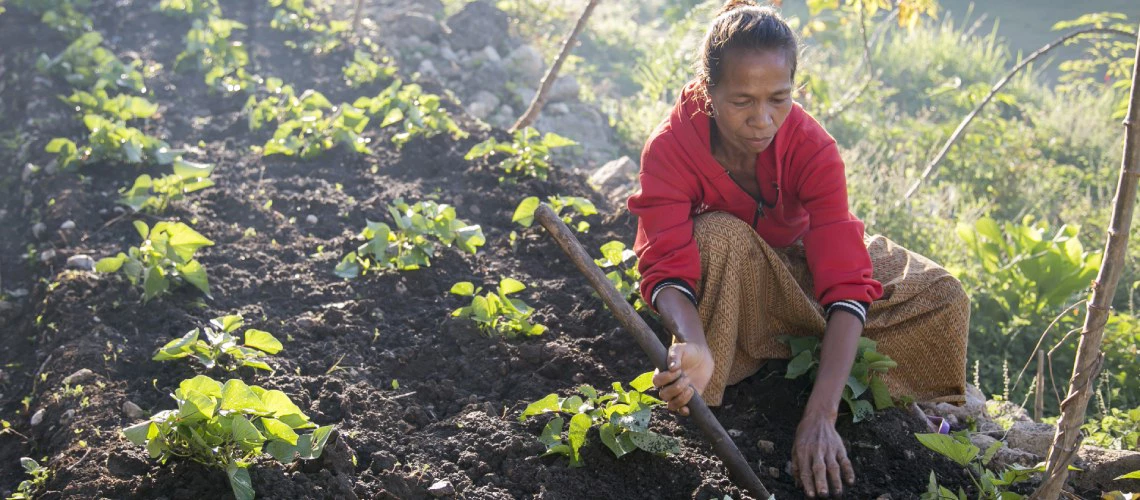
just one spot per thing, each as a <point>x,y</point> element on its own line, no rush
<point>930,168</point>
<point>1089,356</point>
<point>539,100</point>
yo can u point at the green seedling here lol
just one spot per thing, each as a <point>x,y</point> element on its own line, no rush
<point>210,50</point>
<point>528,153</point>
<point>220,346</point>
<point>414,112</point>
<point>301,17</point>
<point>30,488</point>
<point>227,426</point>
<point>364,69</point>
<point>307,125</point>
<point>110,141</point>
<point>86,64</point>
<point>1118,430</point>
<point>991,486</point>
<point>413,243</point>
<point>200,9</point>
<point>621,417</point>
<point>60,15</point>
<point>865,378</point>
<point>573,205</point>
<point>154,196</point>
<point>164,259</point>
<point>495,312</point>
<point>121,107</point>
<point>624,274</point>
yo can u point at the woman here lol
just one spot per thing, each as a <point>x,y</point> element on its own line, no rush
<point>744,236</point>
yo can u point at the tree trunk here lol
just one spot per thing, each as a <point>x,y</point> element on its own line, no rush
<point>539,100</point>
<point>1089,357</point>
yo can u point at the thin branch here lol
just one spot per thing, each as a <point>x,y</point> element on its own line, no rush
<point>356,17</point>
<point>539,100</point>
<point>1089,359</point>
<point>1041,340</point>
<point>930,168</point>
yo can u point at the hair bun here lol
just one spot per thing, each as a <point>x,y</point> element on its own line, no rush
<point>731,5</point>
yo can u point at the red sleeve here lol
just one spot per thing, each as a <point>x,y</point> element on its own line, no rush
<point>665,244</point>
<point>836,254</point>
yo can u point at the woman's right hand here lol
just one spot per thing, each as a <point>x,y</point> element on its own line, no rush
<point>690,368</point>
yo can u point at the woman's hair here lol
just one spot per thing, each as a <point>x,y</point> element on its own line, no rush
<point>741,24</point>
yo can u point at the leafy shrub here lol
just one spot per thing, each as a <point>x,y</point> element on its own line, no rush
<point>1119,430</point>
<point>496,312</point>
<point>621,417</point>
<point>155,195</point>
<point>110,141</point>
<point>220,341</point>
<point>865,373</point>
<point>121,107</point>
<point>524,213</point>
<point>30,488</point>
<point>209,49</point>
<point>625,276</point>
<point>307,125</point>
<point>528,153</point>
<point>957,447</point>
<point>85,63</point>
<point>410,246</point>
<point>415,112</point>
<point>165,258</point>
<point>227,426</point>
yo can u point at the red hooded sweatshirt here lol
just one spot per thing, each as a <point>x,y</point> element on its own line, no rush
<point>801,178</point>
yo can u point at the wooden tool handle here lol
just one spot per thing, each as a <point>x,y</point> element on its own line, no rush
<point>738,467</point>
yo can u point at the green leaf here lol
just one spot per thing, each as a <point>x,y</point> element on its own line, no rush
<point>142,229</point>
<point>202,384</point>
<point>552,432</point>
<point>349,267</point>
<point>552,140</point>
<point>245,434</point>
<point>609,435</point>
<point>110,264</point>
<point>544,405</point>
<point>277,429</point>
<point>960,453</point>
<point>463,289</point>
<point>140,433</point>
<point>195,274</point>
<point>177,348</point>
<point>194,406</point>
<point>314,444</point>
<point>508,286</point>
<point>155,283</point>
<point>237,396</point>
<point>185,240</point>
<point>1130,475</point>
<point>191,170</point>
<point>240,482</point>
<point>579,425</point>
<point>991,451</point>
<point>262,341</point>
<point>655,443</point>
<point>880,394</point>
<point>800,365</point>
<point>524,213</point>
<point>643,382</point>
<point>280,406</point>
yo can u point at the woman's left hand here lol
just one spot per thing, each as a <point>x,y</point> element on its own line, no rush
<point>819,459</point>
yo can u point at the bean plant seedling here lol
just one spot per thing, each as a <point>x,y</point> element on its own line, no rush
<point>210,50</point>
<point>110,141</point>
<point>622,418</point>
<point>298,16</point>
<point>60,15</point>
<point>31,487</point>
<point>866,373</point>
<point>86,64</point>
<point>574,206</point>
<point>227,426</point>
<point>220,346</point>
<point>990,486</point>
<point>496,312</point>
<point>625,275</point>
<point>152,195</point>
<point>165,258</point>
<point>364,68</point>
<point>410,245</point>
<point>528,153</point>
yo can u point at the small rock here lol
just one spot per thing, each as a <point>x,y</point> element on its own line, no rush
<point>491,54</point>
<point>401,288</point>
<point>67,225</point>
<point>884,496</point>
<point>766,446</point>
<point>311,219</point>
<point>37,417</point>
<point>526,62</point>
<point>475,210</point>
<point>448,55</point>
<point>414,24</point>
<point>774,472</point>
<point>29,171</point>
<point>909,455</point>
<point>427,68</point>
<point>565,88</point>
<point>80,375</point>
<point>483,104</point>
<point>1032,437</point>
<point>579,378</point>
<point>1102,467</point>
<point>735,433</point>
<point>478,25</point>
<point>82,262</point>
<point>132,411</point>
<point>67,416</point>
<point>47,255</point>
<point>441,489</point>
<point>39,229</point>
<point>559,108</point>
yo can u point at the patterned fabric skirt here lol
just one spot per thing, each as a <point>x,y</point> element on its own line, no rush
<point>751,294</point>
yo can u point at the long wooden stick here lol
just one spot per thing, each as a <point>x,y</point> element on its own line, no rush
<point>1039,388</point>
<point>738,468</point>
<point>539,99</point>
<point>1089,356</point>
<point>929,171</point>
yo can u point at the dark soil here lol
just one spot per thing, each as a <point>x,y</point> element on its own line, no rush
<point>454,414</point>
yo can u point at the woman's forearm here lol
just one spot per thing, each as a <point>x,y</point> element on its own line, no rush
<point>674,305</point>
<point>840,343</point>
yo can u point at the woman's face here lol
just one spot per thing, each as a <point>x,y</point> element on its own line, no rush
<point>752,99</point>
